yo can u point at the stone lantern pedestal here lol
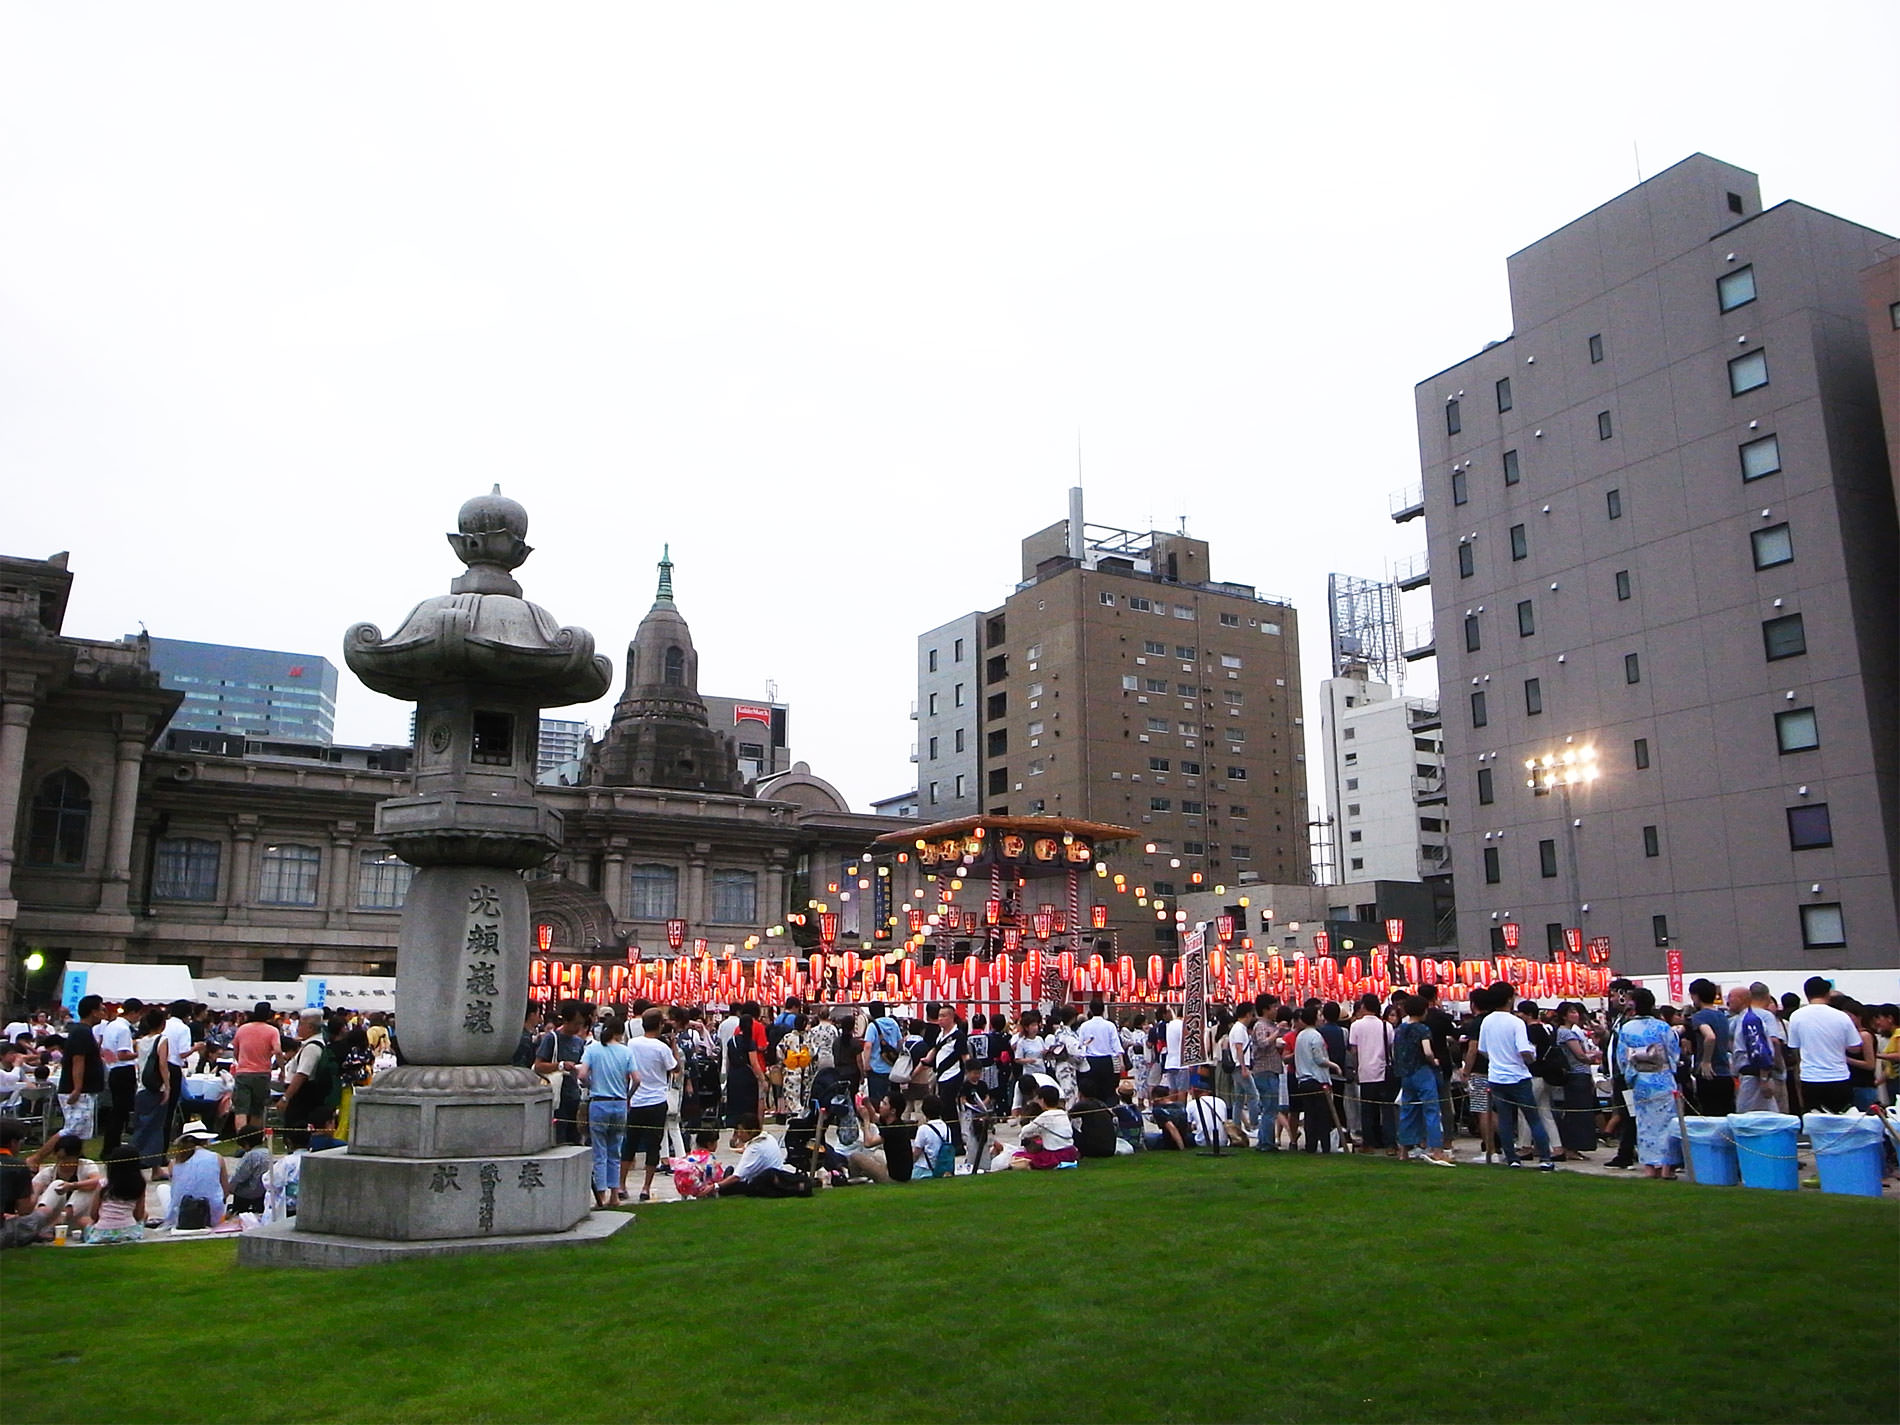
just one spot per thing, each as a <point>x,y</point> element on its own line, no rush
<point>454,1151</point>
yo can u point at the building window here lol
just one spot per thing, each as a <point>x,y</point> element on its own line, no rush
<point>1131,683</point>
<point>1632,668</point>
<point>1454,422</point>
<point>1822,927</point>
<point>1809,828</point>
<point>1237,811</point>
<point>1735,289</point>
<point>1236,774</point>
<point>956,697</point>
<point>930,662</point>
<point>996,630</point>
<point>1533,696</point>
<point>1652,842</point>
<point>1504,394</point>
<point>1622,585</point>
<point>1352,808</point>
<point>1748,372</point>
<point>735,897</point>
<point>1158,803</point>
<point>1467,562</point>
<point>1493,872</point>
<point>1193,808</point>
<point>1139,604</point>
<point>1183,650</point>
<point>1104,597</point>
<point>1659,930</point>
<point>1150,646</point>
<point>998,706</point>
<point>62,815</point>
<point>1604,430</point>
<point>1596,349</point>
<point>1240,852</point>
<point>289,875</point>
<point>1553,938</point>
<point>961,788</point>
<point>1512,474</point>
<point>997,668</point>
<point>382,880</point>
<point>930,705</point>
<point>933,794</point>
<point>1520,543</point>
<point>1185,690</point>
<point>1485,796</point>
<point>1773,545</point>
<point>957,739</point>
<point>1352,785</point>
<point>1472,641</point>
<point>1526,618</point>
<point>1228,660</point>
<point>1479,716</point>
<point>1157,724</point>
<point>1613,504</point>
<point>1784,637</point>
<point>1157,685</point>
<point>1797,731</point>
<point>185,868</point>
<point>1192,769</point>
<point>653,892</point>
<point>1226,620</point>
<point>1459,494</point>
<point>997,744</point>
<point>999,782</point>
<point>1157,764</point>
<point>933,749</point>
<point>1761,457</point>
<point>1035,729</point>
<point>1641,749</point>
<point>1547,858</point>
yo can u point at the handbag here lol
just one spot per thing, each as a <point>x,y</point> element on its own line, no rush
<point>903,1069</point>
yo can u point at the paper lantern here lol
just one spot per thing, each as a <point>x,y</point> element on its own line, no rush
<point>675,933</point>
<point>849,963</point>
<point>1067,962</point>
<point>1098,916</point>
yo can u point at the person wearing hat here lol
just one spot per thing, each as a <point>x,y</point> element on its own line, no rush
<point>304,1089</point>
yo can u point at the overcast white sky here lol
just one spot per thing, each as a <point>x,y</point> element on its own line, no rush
<point>821,294</point>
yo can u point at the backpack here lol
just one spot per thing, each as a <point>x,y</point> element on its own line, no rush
<point>1552,1064</point>
<point>1752,1048</point>
<point>324,1083</point>
<point>152,1076</point>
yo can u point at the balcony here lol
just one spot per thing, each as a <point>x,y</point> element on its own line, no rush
<point>1421,714</point>
<point>1434,861</point>
<point>913,752</point>
<point>1407,504</point>
<point>1418,643</point>
<point>1429,791</point>
<point>913,715</point>
<point>1413,573</point>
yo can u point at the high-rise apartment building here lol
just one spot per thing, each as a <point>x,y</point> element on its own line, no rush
<point>257,692</point>
<point>1122,683</point>
<point>559,740</point>
<point>1385,781</point>
<point>1662,555</point>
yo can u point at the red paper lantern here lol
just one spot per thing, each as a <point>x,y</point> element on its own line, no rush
<point>1511,932</point>
<point>828,927</point>
<point>1044,922</point>
<point>1395,930</point>
<point>1223,928</point>
<point>1322,942</point>
<point>1156,970</point>
<point>993,911</point>
<point>1067,962</point>
<point>544,937</point>
<point>1098,916</point>
<point>675,933</point>
<point>1012,937</point>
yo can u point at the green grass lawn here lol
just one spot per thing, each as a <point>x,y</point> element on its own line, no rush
<point>1161,1287</point>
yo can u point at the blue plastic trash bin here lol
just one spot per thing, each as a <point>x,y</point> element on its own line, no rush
<point>1712,1152</point>
<point>1764,1149</point>
<point>1848,1151</point>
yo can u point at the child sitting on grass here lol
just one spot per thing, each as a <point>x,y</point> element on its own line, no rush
<point>697,1173</point>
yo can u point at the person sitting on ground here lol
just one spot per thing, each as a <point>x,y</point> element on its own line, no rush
<point>1048,1138</point>
<point>1206,1115</point>
<point>853,1149</point>
<point>323,1131</point>
<point>761,1171</point>
<point>286,1174</point>
<point>69,1185</point>
<point>251,1177</point>
<point>198,1176</point>
<point>20,1219</point>
<point>121,1201</point>
<point>1127,1118</point>
<point>697,1174</point>
<point>1172,1133</point>
<point>933,1150</point>
<point>1094,1124</point>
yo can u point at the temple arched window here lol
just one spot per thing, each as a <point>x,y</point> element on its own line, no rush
<point>62,815</point>
<point>675,675</point>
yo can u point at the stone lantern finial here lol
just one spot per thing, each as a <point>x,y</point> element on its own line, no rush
<point>491,540</point>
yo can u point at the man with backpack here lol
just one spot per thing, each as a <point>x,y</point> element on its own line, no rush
<point>883,1045</point>
<point>310,1076</point>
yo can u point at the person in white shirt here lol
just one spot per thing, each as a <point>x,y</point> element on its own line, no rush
<point>115,1049</point>
<point>1371,1040</point>
<point>1048,1138</point>
<point>1101,1045</point>
<point>1503,1039</point>
<point>1244,1097</point>
<point>175,1043</point>
<point>1206,1116</point>
<point>1171,1066</point>
<point>654,1065</point>
<point>1825,1038</point>
<point>761,1171</point>
<point>1029,1049</point>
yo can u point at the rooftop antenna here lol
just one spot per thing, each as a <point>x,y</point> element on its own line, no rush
<point>1183,519</point>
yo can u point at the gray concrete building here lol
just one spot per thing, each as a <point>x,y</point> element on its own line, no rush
<point>1662,554</point>
<point>949,691</point>
<point>257,692</point>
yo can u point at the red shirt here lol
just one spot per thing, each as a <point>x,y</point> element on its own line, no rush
<point>257,1044</point>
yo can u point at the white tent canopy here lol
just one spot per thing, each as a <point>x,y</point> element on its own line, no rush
<point>155,984</point>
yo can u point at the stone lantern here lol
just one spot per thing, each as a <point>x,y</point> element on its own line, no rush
<point>454,1151</point>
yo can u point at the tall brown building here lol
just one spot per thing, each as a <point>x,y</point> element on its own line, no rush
<point>1121,682</point>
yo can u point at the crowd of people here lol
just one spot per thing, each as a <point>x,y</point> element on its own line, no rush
<point>175,1117</point>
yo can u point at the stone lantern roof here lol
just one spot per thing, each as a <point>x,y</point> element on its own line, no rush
<point>482,630</point>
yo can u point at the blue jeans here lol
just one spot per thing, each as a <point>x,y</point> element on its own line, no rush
<point>1418,1110</point>
<point>607,1128</point>
<point>1246,1095</point>
<point>1266,1091</point>
<point>1509,1100</point>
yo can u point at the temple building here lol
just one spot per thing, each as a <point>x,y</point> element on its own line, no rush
<point>236,857</point>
